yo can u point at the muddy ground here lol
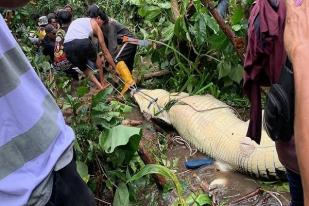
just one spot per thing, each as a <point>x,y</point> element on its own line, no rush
<point>226,187</point>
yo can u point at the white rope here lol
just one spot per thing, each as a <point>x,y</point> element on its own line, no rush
<point>181,141</point>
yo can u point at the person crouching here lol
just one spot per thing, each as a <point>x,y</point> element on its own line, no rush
<point>79,48</point>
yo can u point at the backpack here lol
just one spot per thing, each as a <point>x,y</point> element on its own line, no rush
<point>61,61</point>
<point>279,109</point>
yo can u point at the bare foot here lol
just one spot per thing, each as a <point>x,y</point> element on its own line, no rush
<point>120,97</point>
<point>104,86</point>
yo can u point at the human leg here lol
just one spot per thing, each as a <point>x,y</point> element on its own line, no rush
<point>92,77</point>
<point>296,190</point>
<point>69,189</point>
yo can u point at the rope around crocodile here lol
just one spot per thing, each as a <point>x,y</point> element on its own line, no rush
<point>214,128</point>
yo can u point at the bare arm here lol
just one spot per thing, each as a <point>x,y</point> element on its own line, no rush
<point>296,39</point>
<point>98,32</point>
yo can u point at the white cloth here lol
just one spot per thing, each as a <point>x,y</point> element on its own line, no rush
<point>79,29</point>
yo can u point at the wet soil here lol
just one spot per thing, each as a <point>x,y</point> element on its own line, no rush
<point>225,187</point>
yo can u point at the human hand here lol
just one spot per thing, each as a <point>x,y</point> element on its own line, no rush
<point>296,33</point>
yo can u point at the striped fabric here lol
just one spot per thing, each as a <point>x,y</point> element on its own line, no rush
<point>33,134</point>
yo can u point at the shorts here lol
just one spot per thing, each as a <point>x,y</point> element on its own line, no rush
<point>127,55</point>
<point>79,51</point>
<point>69,189</point>
<point>72,73</point>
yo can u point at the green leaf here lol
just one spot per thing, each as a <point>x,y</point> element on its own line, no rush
<point>118,136</point>
<point>135,2</point>
<point>165,5</point>
<point>149,12</point>
<point>126,109</point>
<point>180,28</point>
<point>101,107</point>
<point>201,199</point>
<point>237,16</point>
<point>211,23</point>
<point>101,96</point>
<point>81,91</point>
<point>121,197</point>
<point>224,69</point>
<point>236,27</point>
<point>185,4</point>
<point>236,73</point>
<point>164,171</point>
<point>82,170</point>
<point>144,33</point>
<point>168,32</point>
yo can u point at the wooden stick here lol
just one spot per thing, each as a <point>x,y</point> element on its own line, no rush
<point>156,74</point>
<point>149,159</point>
<point>237,42</point>
<point>175,10</point>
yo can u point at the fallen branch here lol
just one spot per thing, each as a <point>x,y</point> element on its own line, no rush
<point>149,159</point>
<point>237,42</point>
<point>131,122</point>
<point>156,74</point>
<point>175,10</point>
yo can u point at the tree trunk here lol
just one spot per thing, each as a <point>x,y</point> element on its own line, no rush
<point>237,42</point>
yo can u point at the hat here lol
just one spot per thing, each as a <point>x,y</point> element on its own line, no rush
<point>49,28</point>
<point>43,21</point>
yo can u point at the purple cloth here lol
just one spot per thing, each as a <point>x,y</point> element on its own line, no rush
<point>264,59</point>
<point>265,56</point>
<point>26,110</point>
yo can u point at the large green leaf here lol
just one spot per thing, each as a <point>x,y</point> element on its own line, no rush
<point>237,16</point>
<point>119,136</point>
<point>180,28</point>
<point>149,12</point>
<point>82,170</point>
<point>81,91</point>
<point>201,199</point>
<point>236,73</point>
<point>121,197</point>
<point>164,171</point>
<point>101,107</point>
<point>211,23</point>
<point>101,96</point>
<point>224,69</point>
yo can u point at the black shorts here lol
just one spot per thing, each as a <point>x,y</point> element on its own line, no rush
<point>79,51</point>
<point>72,73</point>
<point>127,55</point>
<point>69,189</point>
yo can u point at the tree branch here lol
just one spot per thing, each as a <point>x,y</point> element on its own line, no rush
<point>237,42</point>
<point>175,9</point>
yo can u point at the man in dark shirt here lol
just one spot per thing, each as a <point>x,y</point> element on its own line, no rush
<point>48,42</point>
<point>113,32</point>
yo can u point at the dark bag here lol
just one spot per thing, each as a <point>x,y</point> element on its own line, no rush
<point>279,108</point>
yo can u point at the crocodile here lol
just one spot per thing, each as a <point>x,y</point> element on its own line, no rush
<point>214,128</point>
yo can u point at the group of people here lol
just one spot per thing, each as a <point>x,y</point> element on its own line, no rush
<point>36,146</point>
<point>78,43</point>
